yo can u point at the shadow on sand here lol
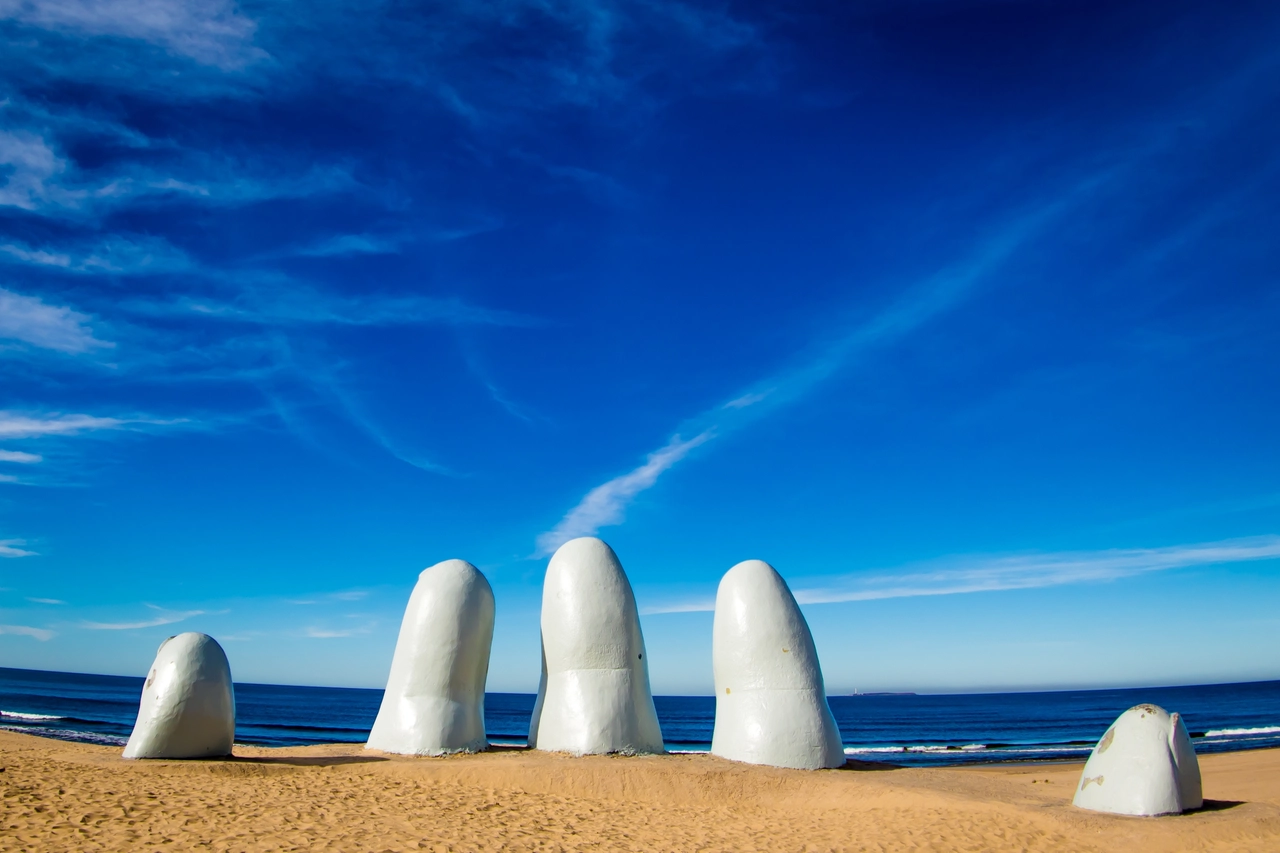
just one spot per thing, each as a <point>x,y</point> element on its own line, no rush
<point>868,766</point>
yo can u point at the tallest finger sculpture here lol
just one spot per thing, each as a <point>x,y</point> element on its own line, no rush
<point>594,696</point>
<point>771,705</point>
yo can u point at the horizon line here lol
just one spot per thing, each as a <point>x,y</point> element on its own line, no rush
<point>924,691</point>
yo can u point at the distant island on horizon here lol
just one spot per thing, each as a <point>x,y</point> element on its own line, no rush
<point>873,693</point>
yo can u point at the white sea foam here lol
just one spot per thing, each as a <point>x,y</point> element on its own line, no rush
<point>1261,730</point>
<point>934,749</point>
<point>1069,750</point>
<point>18,715</point>
<point>67,734</point>
<point>858,750</point>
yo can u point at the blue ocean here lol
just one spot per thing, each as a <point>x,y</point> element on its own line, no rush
<point>900,729</point>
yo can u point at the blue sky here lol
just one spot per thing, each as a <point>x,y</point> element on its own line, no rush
<point>961,314</point>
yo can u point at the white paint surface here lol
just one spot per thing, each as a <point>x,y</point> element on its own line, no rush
<point>434,702</point>
<point>1144,765</point>
<point>594,696</point>
<point>771,705</point>
<point>188,707</point>
<point>1184,758</point>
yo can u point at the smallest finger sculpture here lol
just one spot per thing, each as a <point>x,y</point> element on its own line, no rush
<point>1144,765</point>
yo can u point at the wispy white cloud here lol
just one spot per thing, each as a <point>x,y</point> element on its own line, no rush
<point>54,327</point>
<point>344,245</point>
<point>299,304</point>
<point>164,618</point>
<point>38,257</point>
<point>446,234</point>
<point>19,425</point>
<point>231,183</point>
<point>496,393</point>
<point>506,403</point>
<point>606,504</point>
<point>592,52</point>
<point>458,105</point>
<point>42,180</point>
<point>31,165</point>
<point>62,120</point>
<point>969,574</point>
<point>41,634</point>
<point>600,55</point>
<point>45,600</point>
<point>356,414</point>
<point>935,296</point>
<point>352,244</point>
<point>115,256</point>
<point>259,299</point>
<point>599,187</point>
<point>211,32</point>
<point>344,595</point>
<point>331,634</point>
<point>20,457</point>
<point>9,549</point>
<point>39,179</point>
<point>917,305</point>
<point>1030,571</point>
<point>747,400</point>
<point>326,634</point>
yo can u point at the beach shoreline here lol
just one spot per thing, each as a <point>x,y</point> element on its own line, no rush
<point>72,796</point>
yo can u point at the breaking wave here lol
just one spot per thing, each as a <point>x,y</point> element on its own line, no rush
<point>940,749</point>
<point>1261,730</point>
<point>68,734</point>
<point>35,718</point>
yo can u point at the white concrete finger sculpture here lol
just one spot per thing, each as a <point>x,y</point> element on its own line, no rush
<point>771,705</point>
<point>188,707</point>
<point>1144,765</point>
<point>594,696</point>
<point>434,702</point>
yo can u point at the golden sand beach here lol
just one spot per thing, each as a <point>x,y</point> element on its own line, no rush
<point>64,796</point>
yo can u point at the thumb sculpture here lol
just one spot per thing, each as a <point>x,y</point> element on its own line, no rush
<point>771,705</point>
<point>188,707</point>
<point>434,702</point>
<point>594,696</point>
<point>1144,765</point>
